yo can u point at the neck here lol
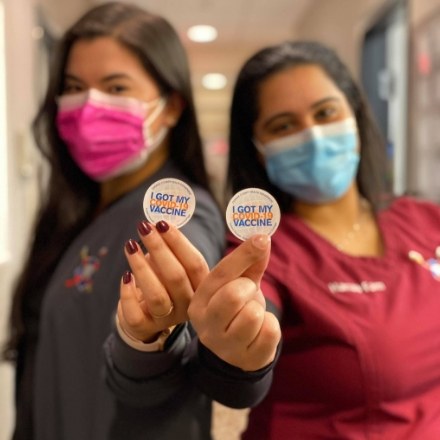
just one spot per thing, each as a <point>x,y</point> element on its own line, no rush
<point>348,223</point>
<point>113,189</point>
<point>343,212</point>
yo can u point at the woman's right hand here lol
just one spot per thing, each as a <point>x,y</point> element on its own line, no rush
<point>228,310</point>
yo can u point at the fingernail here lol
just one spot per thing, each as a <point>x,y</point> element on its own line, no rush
<point>144,228</point>
<point>162,226</point>
<point>131,246</point>
<point>261,241</point>
<point>126,278</point>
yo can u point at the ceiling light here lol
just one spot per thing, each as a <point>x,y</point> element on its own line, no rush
<point>202,33</point>
<point>214,81</point>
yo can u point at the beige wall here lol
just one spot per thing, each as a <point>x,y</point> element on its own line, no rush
<point>20,62</point>
<point>61,14</point>
<point>341,24</point>
<point>422,9</point>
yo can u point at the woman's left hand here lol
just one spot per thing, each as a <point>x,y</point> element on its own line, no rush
<point>157,294</point>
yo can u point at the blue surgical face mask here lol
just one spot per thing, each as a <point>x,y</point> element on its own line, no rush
<point>316,165</point>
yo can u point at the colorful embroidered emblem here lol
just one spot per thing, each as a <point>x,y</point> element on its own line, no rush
<point>83,274</point>
<point>431,264</point>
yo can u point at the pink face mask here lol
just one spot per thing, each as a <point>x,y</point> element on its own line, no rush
<point>107,135</point>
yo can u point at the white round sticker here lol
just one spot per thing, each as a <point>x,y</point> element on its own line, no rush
<point>252,211</point>
<point>171,200</point>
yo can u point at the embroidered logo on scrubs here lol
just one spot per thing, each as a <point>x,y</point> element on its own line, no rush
<point>360,288</point>
<point>83,274</point>
<point>431,264</point>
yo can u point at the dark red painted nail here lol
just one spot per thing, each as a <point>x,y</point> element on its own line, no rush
<point>126,278</point>
<point>162,226</point>
<point>131,246</point>
<point>144,228</point>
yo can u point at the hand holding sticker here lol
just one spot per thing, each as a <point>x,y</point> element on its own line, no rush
<point>228,309</point>
<point>155,294</point>
<point>252,211</point>
<point>171,200</point>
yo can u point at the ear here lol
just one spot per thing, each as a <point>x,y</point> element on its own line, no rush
<point>173,109</point>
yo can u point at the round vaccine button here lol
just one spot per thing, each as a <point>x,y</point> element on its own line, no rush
<point>252,211</point>
<point>171,200</point>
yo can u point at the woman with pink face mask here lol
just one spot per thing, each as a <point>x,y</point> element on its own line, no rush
<point>118,115</point>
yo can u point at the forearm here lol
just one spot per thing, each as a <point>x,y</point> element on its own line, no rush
<point>147,379</point>
<point>225,383</point>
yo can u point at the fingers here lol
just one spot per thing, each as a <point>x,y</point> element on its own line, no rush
<point>229,302</point>
<point>249,260</point>
<point>154,294</point>
<point>264,346</point>
<point>250,342</point>
<point>189,257</point>
<point>130,314</point>
<point>168,274</point>
<point>242,329</point>
<point>170,246</point>
<point>167,267</point>
<point>261,245</point>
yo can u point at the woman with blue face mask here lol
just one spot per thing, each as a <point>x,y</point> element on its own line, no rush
<point>353,272</point>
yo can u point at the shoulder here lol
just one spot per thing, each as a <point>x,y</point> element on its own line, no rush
<point>291,238</point>
<point>413,203</point>
<point>206,229</point>
<point>414,211</point>
<point>205,202</point>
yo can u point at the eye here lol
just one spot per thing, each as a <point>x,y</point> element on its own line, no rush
<point>327,113</point>
<point>117,89</point>
<point>282,126</point>
<point>70,88</point>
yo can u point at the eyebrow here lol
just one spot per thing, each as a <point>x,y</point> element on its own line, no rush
<point>322,101</point>
<point>115,76</point>
<point>316,104</point>
<point>72,77</point>
<point>107,78</point>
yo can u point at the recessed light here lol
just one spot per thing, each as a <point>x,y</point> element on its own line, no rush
<point>202,33</point>
<point>214,81</point>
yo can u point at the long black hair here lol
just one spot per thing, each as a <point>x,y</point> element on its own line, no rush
<point>246,170</point>
<point>71,198</point>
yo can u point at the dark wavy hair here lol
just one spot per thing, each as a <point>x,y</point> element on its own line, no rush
<point>246,170</point>
<point>71,198</point>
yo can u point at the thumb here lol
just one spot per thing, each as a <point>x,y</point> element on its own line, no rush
<point>249,259</point>
<point>260,245</point>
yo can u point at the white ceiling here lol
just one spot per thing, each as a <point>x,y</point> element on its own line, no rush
<point>243,25</point>
<point>239,21</point>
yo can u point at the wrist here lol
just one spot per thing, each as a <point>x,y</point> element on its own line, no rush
<point>155,343</point>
